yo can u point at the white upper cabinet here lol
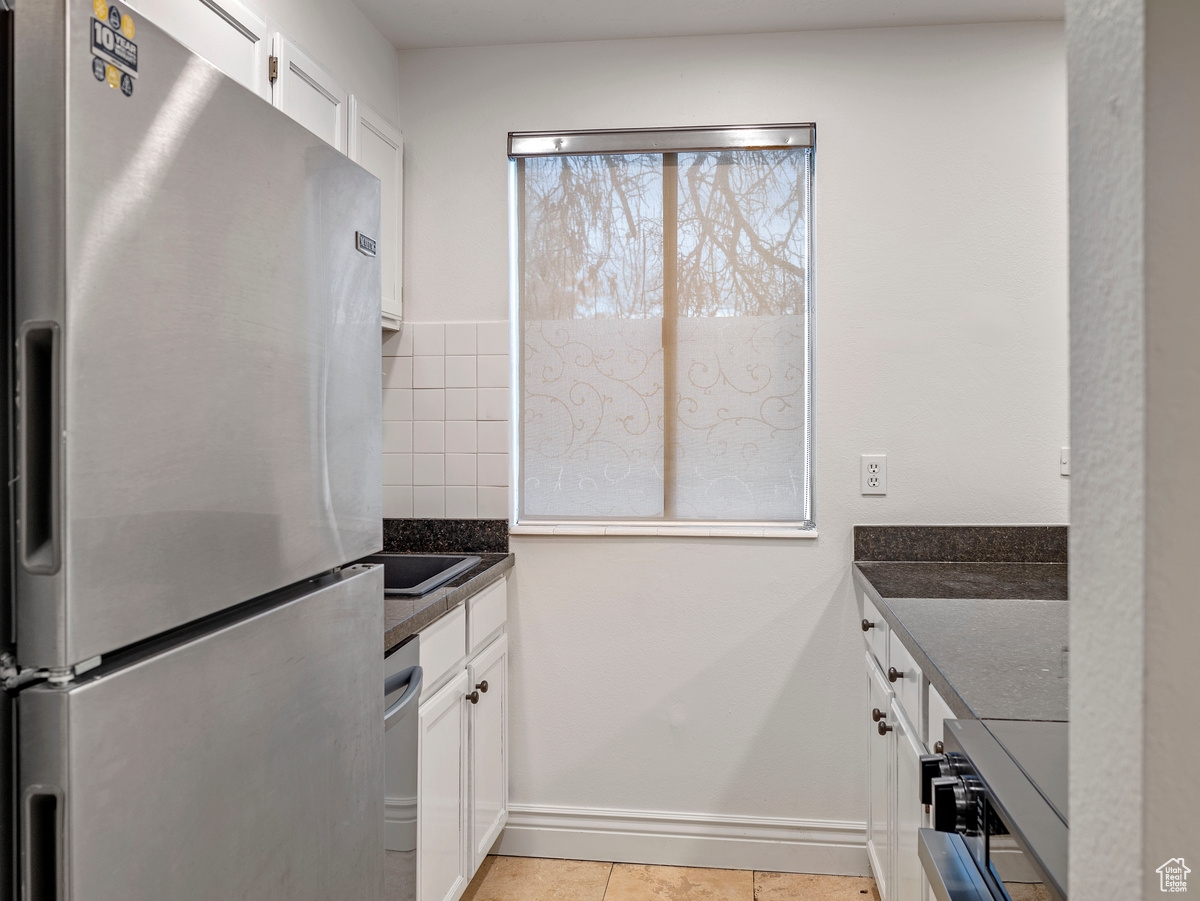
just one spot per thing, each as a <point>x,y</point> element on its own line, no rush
<point>227,33</point>
<point>376,145</point>
<point>308,93</point>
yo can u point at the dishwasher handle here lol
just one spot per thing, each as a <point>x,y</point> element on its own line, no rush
<point>411,678</point>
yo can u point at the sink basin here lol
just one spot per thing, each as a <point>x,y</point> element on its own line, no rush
<point>416,574</point>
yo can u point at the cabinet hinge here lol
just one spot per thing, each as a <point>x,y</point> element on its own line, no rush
<point>273,68</point>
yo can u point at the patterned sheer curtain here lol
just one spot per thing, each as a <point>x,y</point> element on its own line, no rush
<point>664,301</point>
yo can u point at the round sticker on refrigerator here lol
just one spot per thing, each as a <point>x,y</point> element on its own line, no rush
<point>126,84</point>
<point>114,18</point>
<point>98,68</point>
<point>112,75</point>
<point>127,28</point>
<point>100,8</point>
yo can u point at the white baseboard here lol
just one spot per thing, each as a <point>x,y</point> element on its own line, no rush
<point>689,840</point>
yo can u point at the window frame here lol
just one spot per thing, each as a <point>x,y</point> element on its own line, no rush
<point>523,145</point>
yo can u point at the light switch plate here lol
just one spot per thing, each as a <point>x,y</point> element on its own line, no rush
<point>874,474</point>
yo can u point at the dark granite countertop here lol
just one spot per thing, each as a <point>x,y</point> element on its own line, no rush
<point>1027,581</point>
<point>405,616</point>
<point>991,637</point>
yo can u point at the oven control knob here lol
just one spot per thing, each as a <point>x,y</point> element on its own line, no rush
<point>931,768</point>
<point>945,816</point>
<point>956,804</point>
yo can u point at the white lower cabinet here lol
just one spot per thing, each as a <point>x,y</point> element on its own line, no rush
<point>880,759</point>
<point>908,877</point>
<point>489,748</point>
<point>894,749</point>
<point>462,799</point>
<point>442,793</point>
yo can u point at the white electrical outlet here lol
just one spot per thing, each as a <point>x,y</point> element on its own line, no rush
<point>1064,461</point>
<point>874,474</point>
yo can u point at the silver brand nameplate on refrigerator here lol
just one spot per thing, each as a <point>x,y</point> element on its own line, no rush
<point>365,245</point>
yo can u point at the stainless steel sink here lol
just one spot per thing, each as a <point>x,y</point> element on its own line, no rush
<point>416,574</point>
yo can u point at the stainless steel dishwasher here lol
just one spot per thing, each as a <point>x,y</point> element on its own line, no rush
<point>402,689</point>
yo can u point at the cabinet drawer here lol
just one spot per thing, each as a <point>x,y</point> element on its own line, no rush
<point>486,613</point>
<point>443,649</point>
<point>907,684</point>
<point>876,634</point>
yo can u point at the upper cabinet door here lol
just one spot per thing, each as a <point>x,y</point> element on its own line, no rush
<point>308,93</point>
<point>377,146</point>
<point>227,33</point>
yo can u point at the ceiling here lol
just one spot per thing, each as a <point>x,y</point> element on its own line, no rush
<point>413,24</point>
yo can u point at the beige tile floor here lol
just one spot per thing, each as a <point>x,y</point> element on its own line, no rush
<point>536,879</point>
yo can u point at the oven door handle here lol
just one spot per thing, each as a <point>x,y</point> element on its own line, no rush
<point>952,872</point>
<point>410,680</point>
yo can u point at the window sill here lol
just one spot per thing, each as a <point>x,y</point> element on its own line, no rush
<point>678,530</point>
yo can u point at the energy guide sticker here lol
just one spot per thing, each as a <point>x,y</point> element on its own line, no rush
<point>113,46</point>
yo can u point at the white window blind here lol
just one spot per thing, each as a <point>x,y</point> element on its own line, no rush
<point>664,312</point>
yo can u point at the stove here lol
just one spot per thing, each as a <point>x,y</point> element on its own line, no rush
<point>999,797</point>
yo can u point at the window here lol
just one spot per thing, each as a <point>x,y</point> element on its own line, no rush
<point>663,298</point>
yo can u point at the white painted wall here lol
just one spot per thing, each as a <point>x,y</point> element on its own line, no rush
<point>1135,324</point>
<point>725,677</point>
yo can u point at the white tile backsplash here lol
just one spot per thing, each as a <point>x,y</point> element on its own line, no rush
<point>429,469</point>
<point>460,338</point>
<point>492,404</point>
<point>397,437</point>
<point>397,469</point>
<point>492,370</point>
<point>460,437</point>
<point>460,469</point>
<point>493,503</point>
<point>429,437</point>
<point>460,404</point>
<point>492,337</point>
<point>446,404</point>
<point>397,403</point>
<point>397,372</point>
<point>398,344</point>
<point>460,372</point>
<point>429,403</point>
<point>460,503</point>
<point>397,502</point>
<point>492,469</point>
<point>429,339</point>
<point>428,502</point>
<point>492,437</point>
<point>429,372</point>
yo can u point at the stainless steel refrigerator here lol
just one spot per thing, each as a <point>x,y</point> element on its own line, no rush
<point>193,684</point>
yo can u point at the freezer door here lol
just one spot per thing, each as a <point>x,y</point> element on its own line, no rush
<point>198,341</point>
<point>245,764</point>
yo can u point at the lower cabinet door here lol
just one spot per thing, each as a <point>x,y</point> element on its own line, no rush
<point>489,747</point>
<point>880,756</point>
<point>909,879</point>
<point>443,865</point>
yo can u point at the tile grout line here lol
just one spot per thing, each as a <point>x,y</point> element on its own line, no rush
<point>611,865</point>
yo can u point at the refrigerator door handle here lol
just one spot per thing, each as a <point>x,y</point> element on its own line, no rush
<point>41,828</point>
<point>39,427</point>
<point>411,677</point>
